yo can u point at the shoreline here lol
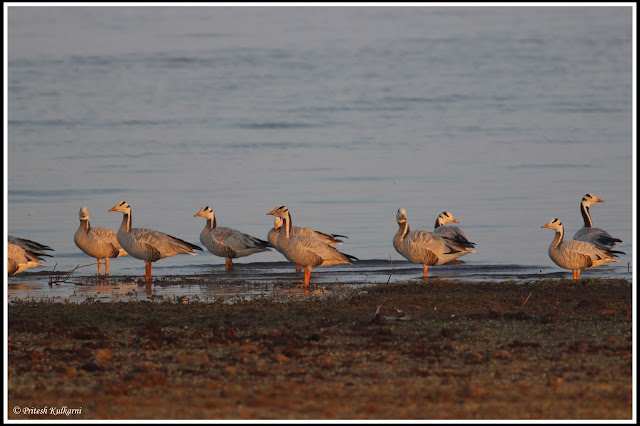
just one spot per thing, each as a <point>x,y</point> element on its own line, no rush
<point>551,349</point>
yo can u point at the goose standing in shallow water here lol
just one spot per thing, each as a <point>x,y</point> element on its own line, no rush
<point>329,239</point>
<point>227,242</point>
<point>424,247</point>
<point>303,250</point>
<point>588,233</point>
<point>575,255</point>
<point>20,258</point>
<point>98,242</point>
<point>452,232</point>
<point>148,244</point>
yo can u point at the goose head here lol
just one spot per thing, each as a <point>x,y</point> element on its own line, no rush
<point>401,215</point>
<point>279,212</point>
<point>84,213</point>
<point>446,217</point>
<point>206,212</point>
<point>122,207</point>
<point>590,199</point>
<point>555,224</point>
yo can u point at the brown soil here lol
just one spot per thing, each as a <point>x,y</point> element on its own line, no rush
<point>552,349</point>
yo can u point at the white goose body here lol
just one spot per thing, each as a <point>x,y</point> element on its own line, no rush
<point>20,259</point>
<point>424,247</point>
<point>575,255</point>
<point>453,232</point>
<point>98,242</point>
<point>305,251</point>
<point>148,244</point>
<point>588,233</point>
<point>227,242</point>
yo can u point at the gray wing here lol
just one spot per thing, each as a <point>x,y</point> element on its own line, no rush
<point>597,236</point>
<point>424,247</point>
<point>313,252</point>
<point>454,233</point>
<point>19,259</point>
<point>151,244</point>
<point>242,244</point>
<point>107,241</point>
<point>583,255</point>
<point>328,239</point>
<point>30,245</point>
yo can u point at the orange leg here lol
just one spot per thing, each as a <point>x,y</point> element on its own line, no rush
<point>578,274</point>
<point>228,264</point>
<point>307,276</point>
<point>106,266</point>
<point>425,271</point>
<point>298,268</point>
<point>99,266</point>
<point>147,267</point>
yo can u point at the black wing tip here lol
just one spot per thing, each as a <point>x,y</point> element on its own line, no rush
<point>350,257</point>
<point>187,243</point>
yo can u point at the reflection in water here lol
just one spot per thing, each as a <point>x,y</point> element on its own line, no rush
<point>272,279</point>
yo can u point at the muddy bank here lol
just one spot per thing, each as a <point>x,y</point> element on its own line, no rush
<point>552,349</point>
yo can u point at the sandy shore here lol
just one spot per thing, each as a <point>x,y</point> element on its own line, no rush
<point>552,349</point>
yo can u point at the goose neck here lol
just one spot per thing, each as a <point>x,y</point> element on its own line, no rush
<point>126,222</point>
<point>584,210</point>
<point>403,228</point>
<point>84,225</point>
<point>211,223</point>
<point>557,240</point>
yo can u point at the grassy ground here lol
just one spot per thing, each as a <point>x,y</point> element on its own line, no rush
<point>553,349</point>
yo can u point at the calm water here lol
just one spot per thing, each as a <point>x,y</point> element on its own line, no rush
<point>505,117</point>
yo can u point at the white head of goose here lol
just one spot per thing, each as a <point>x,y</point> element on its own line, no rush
<point>424,247</point>
<point>147,244</point>
<point>227,242</point>
<point>588,233</point>
<point>304,250</point>
<point>100,243</point>
<point>575,255</point>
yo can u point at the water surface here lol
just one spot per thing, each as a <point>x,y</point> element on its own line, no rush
<point>504,116</point>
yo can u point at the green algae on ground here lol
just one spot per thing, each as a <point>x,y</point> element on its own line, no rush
<point>550,349</point>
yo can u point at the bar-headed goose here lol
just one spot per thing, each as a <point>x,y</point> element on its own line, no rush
<point>329,239</point>
<point>305,251</point>
<point>98,242</point>
<point>20,258</point>
<point>575,255</point>
<point>227,242</point>
<point>33,246</point>
<point>588,233</point>
<point>424,247</point>
<point>453,232</point>
<point>148,244</point>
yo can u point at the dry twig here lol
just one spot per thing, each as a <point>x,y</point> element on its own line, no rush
<point>63,278</point>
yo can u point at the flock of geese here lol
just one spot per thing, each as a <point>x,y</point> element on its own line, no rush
<point>305,247</point>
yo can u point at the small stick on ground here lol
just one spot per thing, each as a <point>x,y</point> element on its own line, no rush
<point>390,273</point>
<point>525,300</point>
<point>63,279</point>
